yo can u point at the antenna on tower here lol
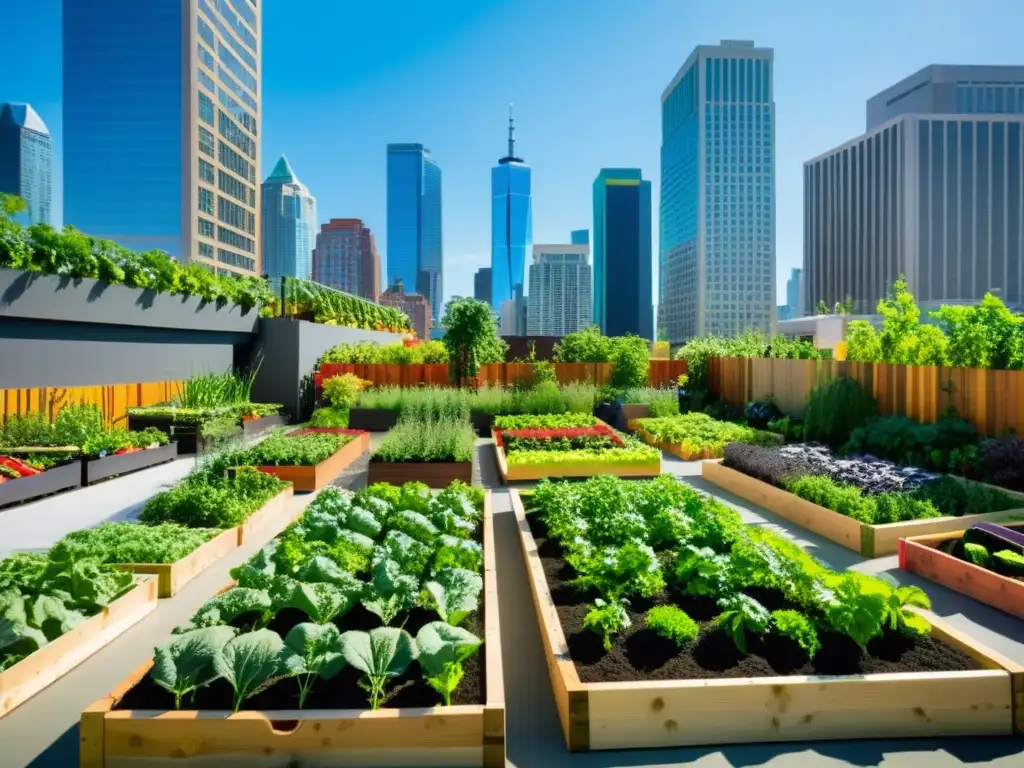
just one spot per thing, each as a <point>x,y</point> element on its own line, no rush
<point>511,133</point>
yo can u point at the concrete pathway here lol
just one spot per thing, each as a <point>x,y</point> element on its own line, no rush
<point>43,732</point>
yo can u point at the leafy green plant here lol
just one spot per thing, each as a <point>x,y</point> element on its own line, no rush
<point>208,498</point>
<point>191,660</point>
<point>329,417</point>
<point>835,409</point>
<point>548,421</point>
<point>343,391</point>
<point>977,554</point>
<point>471,337</point>
<point>742,614</point>
<point>607,618</point>
<point>442,650</point>
<point>290,450</point>
<point>797,627</point>
<point>252,662</point>
<point>702,436</point>
<point>133,543</point>
<point>632,358</point>
<point>586,346</point>
<point>661,402</point>
<point>233,604</point>
<point>1008,561</point>
<point>673,623</point>
<point>393,591</point>
<point>381,654</point>
<point>313,651</point>
<point>215,390</point>
<point>324,602</point>
<point>454,593</point>
<point>428,441</point>
<point>367,353</point>
<point>333,307</point>
<point>899,615</point>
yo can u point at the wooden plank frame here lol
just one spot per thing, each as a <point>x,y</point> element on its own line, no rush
<point>462,735</point>
<point>309,479</point>
<point>577,469</point>
<point>920,555</point>
<point>266,521</point>
<point>672,713</point>
<point>35,672</point>
<point>868,540</point>
<point>676,449</point>
<point>434,474</point>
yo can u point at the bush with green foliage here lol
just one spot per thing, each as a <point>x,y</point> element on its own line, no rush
<point>211,497</point>
<point>836,409</point>
<point>673,623</point>
<point>471,338</point>
<point>367,353</point>
<point>343,391</point>
<point>660,402</point>
<point>133,543</point>
<point>428,441</point>
<point>329,418</point>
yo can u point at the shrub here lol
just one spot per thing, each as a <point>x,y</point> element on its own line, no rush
<point>331,418</point>
<point>343,391</point>
<point>673,624</point>
<point>1002,461</point>
<point>586,346</point>
<point>835,409</point>
<point>366,352</point>
<point>428,441</point>
<point>632,358</point>
<point>661,402</point>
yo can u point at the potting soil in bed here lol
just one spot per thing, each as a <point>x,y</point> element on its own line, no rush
<point>639,653</point>
<point>341,692</point>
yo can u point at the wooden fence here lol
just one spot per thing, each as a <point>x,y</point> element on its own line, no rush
<point>993,401</point>
<point>663,373</point>
<point>114,400</point>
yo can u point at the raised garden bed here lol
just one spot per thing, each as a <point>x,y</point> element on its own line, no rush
<point>315,476</point>
<point>65,477</point>
<point>696,436</point>
<point>870,540</point>
<point>98,468</point>
<point>938,557</point>
<point>432,452</point>
<point>134,726</point>
<point>579,462</point>
<point>435,474</point>
<point>260,425</point>
<point>185,434</point>
<point>39,669</point>
<point>372,419</point>
<point>646,692</point>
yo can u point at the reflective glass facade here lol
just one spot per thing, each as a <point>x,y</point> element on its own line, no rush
<point>560,290</point>
<point>415,249</point>
<point>288,226</point>
<point>511,230</point>
<point>161,133</point>
<point>717,237</point>
<point>26,161</point>
<point>622,253</point>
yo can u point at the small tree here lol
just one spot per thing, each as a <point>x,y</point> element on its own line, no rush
<point>471,336</point>
<point>900,319</point>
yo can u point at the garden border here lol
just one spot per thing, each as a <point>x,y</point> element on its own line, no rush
<point>646,714</point>
<point>66,477</point>
<point>676,449</point>
<point>573,470</point>
<point>435,474</point>
<point>868,540</point>
<point>919,554</point>
<point>313,478</point>
<point>96,469</point>
<point>263,423</point>
<point>372,419</point>
<point>270,519</point>
<point>461,735</point>
<point>41,669</point>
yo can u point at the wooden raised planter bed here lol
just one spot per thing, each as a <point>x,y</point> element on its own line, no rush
<point>35,672</point>
<point>267,521</point>
<point>435,474</point>
<point>920,555</point>
<point>372,419</point>
<point>631,412</point>
<point>461,735</point>
<point>576,469</point>
<point>96,469</point>
<point>263,423</point>
<point>672,713</point>
<point>63,478</point>
<point>676,449</point>
<point>184,433</point>
<point>315,477</point>
<point>868,540</point>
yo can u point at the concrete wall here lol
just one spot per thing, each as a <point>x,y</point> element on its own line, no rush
<point>289,350</point>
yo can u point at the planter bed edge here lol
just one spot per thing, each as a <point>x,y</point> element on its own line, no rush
<point>868,540</point>
<point>269,520</point>
<point>66,477</point>
<point>920,555</point>
<point>671,713</point>
<point>577,469</point>
<point>97,469</point>
<point>263,423</point>
<point>435,474</point>
<point>41,669</point>
<point>372,419</point>
<point>313,478</point>
<point>462,735</point>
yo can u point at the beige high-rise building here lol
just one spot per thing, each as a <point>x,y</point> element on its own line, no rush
<point>161,127</point>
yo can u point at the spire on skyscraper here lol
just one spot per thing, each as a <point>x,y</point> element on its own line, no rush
<point>511,158</point>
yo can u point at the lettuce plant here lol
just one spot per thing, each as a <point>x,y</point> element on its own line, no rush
<point>190,661</point>
<point>252,662</point>
<point>414,524</point>
<point>381,654</point>
<point>233,604</point>
<point>454,593</point>
<point>607,619</point>
<point>411,556</point>
<point>391,592</point>
<point>323,602</point>
<point>442,650</point>
<point>313,651</point>
<point>454,552</point>
<point>741,614</point>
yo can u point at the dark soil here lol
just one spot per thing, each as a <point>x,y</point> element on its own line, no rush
<point>639,653</point>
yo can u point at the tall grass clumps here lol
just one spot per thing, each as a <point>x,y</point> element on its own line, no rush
<point>442,403</point>
<point>429,440</point>
<point>216,390</point>
<point>661,402</point>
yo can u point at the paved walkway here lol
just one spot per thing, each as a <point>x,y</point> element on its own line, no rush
<point>43,732</point>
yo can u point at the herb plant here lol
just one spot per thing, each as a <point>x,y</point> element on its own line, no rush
<point>607,618</point>
<point>673,623</point>
<point>428,441</point>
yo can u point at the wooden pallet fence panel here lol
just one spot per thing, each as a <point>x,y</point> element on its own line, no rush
<point>113,400</point>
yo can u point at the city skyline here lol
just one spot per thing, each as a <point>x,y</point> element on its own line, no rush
<point>511,224</point>
<point>26,161</point>
<point>820,60</point>
<point>288,212</point>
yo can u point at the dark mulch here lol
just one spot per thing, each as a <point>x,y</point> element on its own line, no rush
<point>640,654</point>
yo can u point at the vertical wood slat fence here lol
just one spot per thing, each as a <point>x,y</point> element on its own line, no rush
<point>114,400</point>
<point>993,401</point>
<point>663,373</point>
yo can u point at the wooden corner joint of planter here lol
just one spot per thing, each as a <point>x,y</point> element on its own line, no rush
<point>578,724</point>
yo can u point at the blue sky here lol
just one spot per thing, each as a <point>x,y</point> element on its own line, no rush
<point>342,79</point>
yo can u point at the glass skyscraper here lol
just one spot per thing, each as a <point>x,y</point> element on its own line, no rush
<point>717,245</point>
<point>161,126</point>
<point>580,237</point>
<point>622,253</point>
<point>288,223</point>
<point>415,251</point>
<point>511,226</point>
<point>26,160</point>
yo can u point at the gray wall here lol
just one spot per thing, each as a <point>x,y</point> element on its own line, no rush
<point>289,350</point>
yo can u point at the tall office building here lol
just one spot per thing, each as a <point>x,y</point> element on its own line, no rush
<point>482,284</point>
<point>622,253</point>
<point>511,225</point>
<point>413,304</point>
<point>161,127</point>
<point>935,195</point>
<point>346,258</point>
<point>288,222</point>
<point>717,246</point>
<point>26,160</point>
<point>415,254</point>
<point>795,293</point>
<point>580,237</point>
<point>560,298</point>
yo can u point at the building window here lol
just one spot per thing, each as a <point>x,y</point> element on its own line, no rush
<point>235,135</point>
<point>206,57</point>
<point>235,163</point>
<point>206,250</point>
<point>205,227</point>
<point>237,111</point>
<point>235,240</point>
<point>232,186</point>
<point>235,215</point>
<point>205,109</point>
<point>205,141</point>
<point>206,202</point>
<point>236,260</point>
<point>205,171</point>
<point>206,81</point>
